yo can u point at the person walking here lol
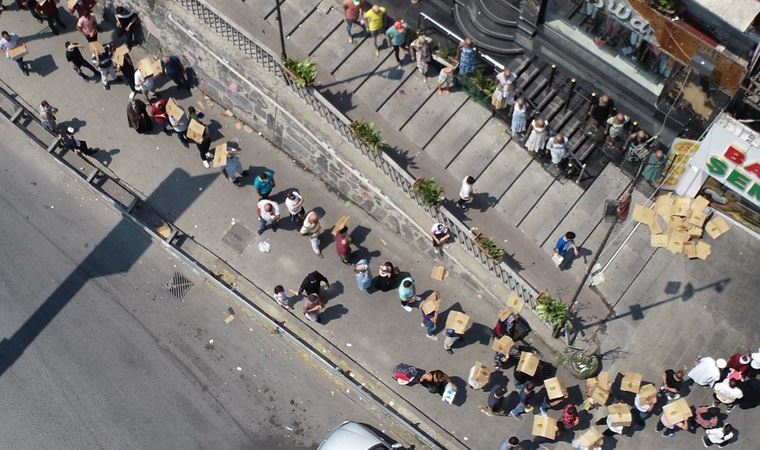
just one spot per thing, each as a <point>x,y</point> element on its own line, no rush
<point>707,416</point>
<point>137,116</point>
<point>495,402</point>
<point>47,117</point>
<point>363,275</point>
<point>281,297</point>
<point>440,235</point>
<point>88,25</point>
<point>9,42</point>
<point>159,114</point>
<point>450,336</point>
<point>519,118</point>
<point>601,110</point>
<point>204,146</point>
<point>718,435</point>
<point>643,407</point>
<point>127,23</point>
<point>175,70</point>
<point>385,279</point>
<point>538,135</point>
<point>510,443</point>
<point>445,79</point>
<point>74,56</point>
<point>672,383</point>
<point>406,293</point>
<point>570,418</point>
<point>343,245</point>
<point>352,12</point>
<point>269,214</point>
<point>616,128</point>
<point>525,394</point>
<point>47,10</point>
<point>179,126</point>
<point>728,393</point>
<point>397,37</point>
<point>422,54</point>
<point>430,318</point>
<point>504,94</point>
<point>145,84</point>
<point>82,7</point>
<point>654,169</point>
<point>557,148</point>
<point>312,283</point>
<point>564,244</point>
<point>312,306</point>
<point>739,362</point>
<point>311,228</point>
<point>78,146</point>
<point>104,62</point>
<point>375,18</point>
<point>466,55</point>
<point>465,192</point>
<point>670,428</point>
<point>264,183</point>
<point>294,204</point>
<point>707,371</point>
<point>233,169</point>
<point>127,70</point>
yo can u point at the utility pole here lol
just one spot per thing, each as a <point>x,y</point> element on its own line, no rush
<point>283,53</point>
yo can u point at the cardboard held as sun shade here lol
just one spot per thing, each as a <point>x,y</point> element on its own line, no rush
<point>528,363</point>
<point>544,426</point>
<point>502,345</point>
<point>677,411</point>
<point>430,303</point>
<point>619,414</point>
<point>459,322</point>
<point>195,131</point>
<point>482,373</point>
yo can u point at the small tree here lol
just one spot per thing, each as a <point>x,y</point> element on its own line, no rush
<point>430,192</point>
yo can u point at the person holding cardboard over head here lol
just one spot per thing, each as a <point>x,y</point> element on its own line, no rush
<point>675,416</point>
<point>555,393</point>
<point>618,417</point>
<point>527,367</point>
<point>178,121</point>
<point>456,325</point>
<point>644,403</point>
<point>429,307</point>
<point>545,427</point>
<point>591,439</point>
<point>479,376</point>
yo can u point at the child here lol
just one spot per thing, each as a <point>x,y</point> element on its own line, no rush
<point>282,298</point>
<point>445,78</point>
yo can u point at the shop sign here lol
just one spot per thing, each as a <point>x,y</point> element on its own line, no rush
<point>730,153</point>
<point>623,12</point>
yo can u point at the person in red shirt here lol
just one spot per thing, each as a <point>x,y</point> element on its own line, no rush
<point>570,418</point>
<point>82,7</point>
<point>48,10</point>
<point>88,26</point>
<point>158,112</point>
<point>343,245</point>
<point>352,10</point>
<point>739,362</point>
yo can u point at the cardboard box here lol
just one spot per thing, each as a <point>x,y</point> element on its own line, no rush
<point>514,302</point>
<point>502,345</point>
<point>663,205</point>
<point>697,218</point>
<point>643,214</point>
<point>119,53</point>
<point>681,206</point>
<point>430,303</point>
<point>70,4</point>
<point>482,373</point>
<point>680,237</point>
<point>655,227</point>
<point>620,415</point>
<point>149,66</point>
<point>459,322</point>
<point>195,131</point>
<point>599,395</point>
<point>438,273</point>
<point>17,52</point>
<point>504,313</point>
<point>544,426</point>
<point>555,388</point>
<point>603,379</point>
<point>631,382</point>
<point>716,227</point>
<point>703,250</point>
<point>164,231</point>
<point>699,204</point>
<point>690,250</point>
<point>340,224</point>
<point>658,240</point>
<point>675,247</point>
<point>677,411</point>
<point>590,438</point>
<point>174,110</point>
<point>528,363</point>
<point>97,48</point>
<point>647,392</point>
<point>695,231</point>
<point>220,155</point>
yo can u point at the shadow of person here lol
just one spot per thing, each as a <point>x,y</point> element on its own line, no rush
<point>461,386</point>
<point>482,201</point>
<point>335,289</point>
<point>75,123</point>
<point>105,157</point>
<point>43,65</point>
<point>332,312</point>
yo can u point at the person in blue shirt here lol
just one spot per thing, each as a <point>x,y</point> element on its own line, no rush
<point>173,68</point>
<point>565,243</point>
<point>397,37</point>
<point>264,183</point>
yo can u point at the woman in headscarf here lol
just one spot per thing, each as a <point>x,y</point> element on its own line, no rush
<point>137,116</point>
<point>655,166</point>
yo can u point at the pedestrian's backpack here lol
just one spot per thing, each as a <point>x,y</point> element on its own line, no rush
<point>449,393</point>
<point>404,373</point>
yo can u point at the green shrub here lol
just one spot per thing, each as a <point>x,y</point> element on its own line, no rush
<point>304,71</point>
<point>430,192</point>
<point>367,133</point>
<point>553,311</point>
<point>490,247</point>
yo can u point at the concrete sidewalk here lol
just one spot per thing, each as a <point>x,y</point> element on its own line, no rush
<point>372,329</point>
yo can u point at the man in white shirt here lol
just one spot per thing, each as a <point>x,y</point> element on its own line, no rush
<point>719,436</point>
<point>727,392</point>
<point>269,214</point>
<point>643,406</point>
<point>707,371</point>
<point>9,41</point>
<point>465,192</point>
<point>557,148</point>
<point>294,203</point>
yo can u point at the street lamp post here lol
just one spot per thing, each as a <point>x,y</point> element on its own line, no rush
<point>282,35</point>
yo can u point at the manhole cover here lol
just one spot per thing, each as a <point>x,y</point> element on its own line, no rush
<point>238,237</point>
<point>179,285</point>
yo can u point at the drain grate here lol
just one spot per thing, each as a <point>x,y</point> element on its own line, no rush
<point>179,285</point>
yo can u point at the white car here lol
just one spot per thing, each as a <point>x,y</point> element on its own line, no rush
<point>355,436</point>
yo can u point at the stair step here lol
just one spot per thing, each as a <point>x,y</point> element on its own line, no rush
<point>576,143</point>
<point>538,88</point>
<point>571,129</point>
<point>523,65</point>
<point>528,78</point>
<point>556,105</point>
<point>501,16</point>
<point>482,40</point>
<point>587,150</point>
<point>508,4</point>
<point>484,23</point>
<point>548,98</point>
<point>563,120</point>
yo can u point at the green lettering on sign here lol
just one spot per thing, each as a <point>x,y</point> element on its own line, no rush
<point>738,179</point>
<point>716,166</point>
<point>754,192</point>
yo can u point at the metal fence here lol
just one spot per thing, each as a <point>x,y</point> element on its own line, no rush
<point>400,177</point>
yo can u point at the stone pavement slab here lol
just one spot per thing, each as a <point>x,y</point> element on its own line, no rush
<point>293,13</point>
<point>263,8</point>
<point>524,193</point>
<point>356,69</point>
<point>383,82</point>
<point>553,205</point>
<point>321,23</point>
<point>508,165</point>
<point>480,151</point>
<point>433,115</point>
<point>452,138</point>
<point>334,50</point>
<point>410,96</point>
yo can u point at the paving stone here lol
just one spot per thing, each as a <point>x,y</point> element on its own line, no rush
<point>318,26</point>
<point>550,209</point>
<point>293,12</point>
<point>457,133</point>
<point>404,102</point>
<point>504,170</point>
<point>262,7</point>
<point>589,209</point>
<point>382,83</point>
<point>238,237</point>
<point>524,193</point>
<point>481,150</point>
<point>432,116</point>
<point>331,53</point>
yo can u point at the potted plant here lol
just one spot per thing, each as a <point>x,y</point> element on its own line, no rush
<point>489,246</point>
<point>667,7</point>
<point>303,71</point>
<point>480,87</point>
<point>445,53</point>
<point>430,192</point>
<point>367,133</point>
<point>555,312</point>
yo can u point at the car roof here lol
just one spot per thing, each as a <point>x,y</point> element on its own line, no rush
<point>351,436</point>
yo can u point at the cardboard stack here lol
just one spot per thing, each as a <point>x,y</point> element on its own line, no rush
<point>598,389</point>
<point>678,223</point>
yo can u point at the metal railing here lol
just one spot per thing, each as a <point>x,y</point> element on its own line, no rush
<point>400,177</point>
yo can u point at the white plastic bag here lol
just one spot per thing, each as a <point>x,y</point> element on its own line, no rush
<point>264,246</point>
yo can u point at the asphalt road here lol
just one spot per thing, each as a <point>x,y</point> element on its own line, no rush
<point>95,353</point>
